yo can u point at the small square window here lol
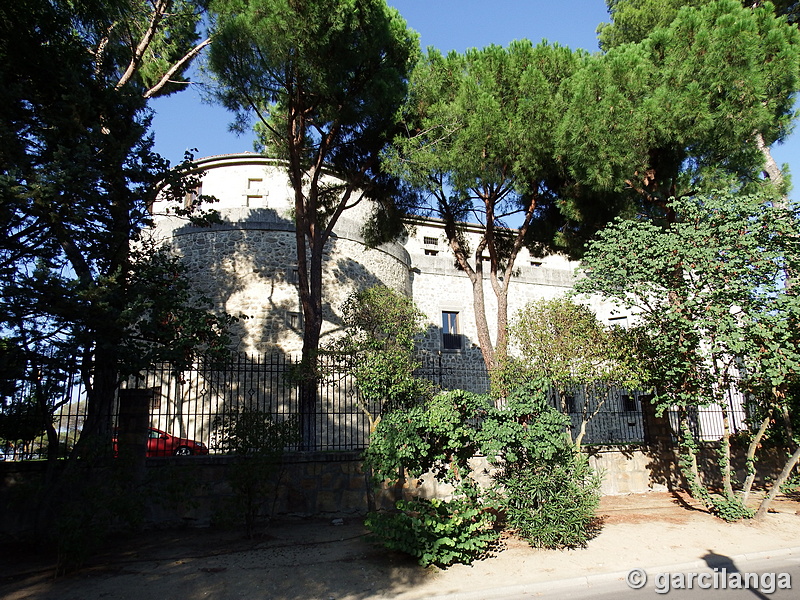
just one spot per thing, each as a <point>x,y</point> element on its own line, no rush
<point>294,320</point>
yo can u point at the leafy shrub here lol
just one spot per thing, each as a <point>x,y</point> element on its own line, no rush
<point>438,437</point>
<point>546,489</point>
<point>731,509</point>
<point>257,442</point>
<point>552,506</point>
<point>436,532</point>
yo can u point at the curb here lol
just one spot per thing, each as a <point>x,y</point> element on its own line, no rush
<point>589,581</point>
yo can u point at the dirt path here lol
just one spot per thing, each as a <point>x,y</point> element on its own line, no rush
<point>311,559</point>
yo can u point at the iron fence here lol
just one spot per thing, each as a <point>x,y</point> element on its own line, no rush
<point>188,404</point>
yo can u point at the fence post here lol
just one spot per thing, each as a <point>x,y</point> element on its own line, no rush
<point>134,423</point>
<point>657,430</point>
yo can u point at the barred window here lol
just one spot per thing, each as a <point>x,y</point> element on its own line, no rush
<point>451,334</point>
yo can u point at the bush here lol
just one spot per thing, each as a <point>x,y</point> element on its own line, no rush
<point>438,437</point>
<point>546,489</point>
<point>257,443</point>
<point>552,506</point>
<point>436,532</point>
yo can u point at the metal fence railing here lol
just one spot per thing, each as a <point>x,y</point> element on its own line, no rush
<point>187,404</point>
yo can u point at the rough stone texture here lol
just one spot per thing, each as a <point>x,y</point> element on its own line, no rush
<point>334,484</point>
<point>245,267</point>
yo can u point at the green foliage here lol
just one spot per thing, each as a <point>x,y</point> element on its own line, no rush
<point>712,306</point>
<point>328,119</point>
<point>565,343</point>
<point>731,509</point>
<point>436,532</point>
<point>681,109</point>
<point>257,443</point>
<point>634,20</point>
<point>438,436</point>
<point>527,429</point>
<point>544,488</point>
<point>381,328</point>
<point>552,506</point>
<point>80,177</point>
<point>479,142</point>
<point>708,290</point>
<point>792,485</point>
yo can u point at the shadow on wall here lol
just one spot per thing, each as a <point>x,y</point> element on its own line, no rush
<point>451,368</point>
<point>191,404</point>
<point>247,266</point>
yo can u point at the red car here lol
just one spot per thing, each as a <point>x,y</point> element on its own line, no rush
<point>160,443</point>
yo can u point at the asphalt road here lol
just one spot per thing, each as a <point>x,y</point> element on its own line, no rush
<point>694,584</point>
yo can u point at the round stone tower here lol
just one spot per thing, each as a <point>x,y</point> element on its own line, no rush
<point>247,265</point>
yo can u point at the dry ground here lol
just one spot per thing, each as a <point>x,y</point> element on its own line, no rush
<point>308,559</point>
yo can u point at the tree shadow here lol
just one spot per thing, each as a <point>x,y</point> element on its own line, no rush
<point>461,368</point>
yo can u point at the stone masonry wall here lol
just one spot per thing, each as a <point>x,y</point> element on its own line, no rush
<point>248,268</point>
<point>333,484</point>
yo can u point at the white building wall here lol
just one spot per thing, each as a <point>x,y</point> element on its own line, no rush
<point>246,266</point>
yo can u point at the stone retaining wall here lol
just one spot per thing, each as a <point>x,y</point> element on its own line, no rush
<point>334,484</point>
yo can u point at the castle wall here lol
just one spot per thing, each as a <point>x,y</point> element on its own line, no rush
<point>247,266</point>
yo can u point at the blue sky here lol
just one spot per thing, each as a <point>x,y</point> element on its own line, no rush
<point>183,121</point>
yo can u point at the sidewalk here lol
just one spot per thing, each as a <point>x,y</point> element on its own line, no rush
<point>656,532</point>
<point>315,559</point>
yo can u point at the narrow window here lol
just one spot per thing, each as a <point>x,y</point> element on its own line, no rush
<point>628,403</point>
<point>294,320</point>
<point>429,252</point>
<point>536,264</point>
<point>451,335</point>
<point>430,241</point>
<point>191,196</point>
<point>571,406</point>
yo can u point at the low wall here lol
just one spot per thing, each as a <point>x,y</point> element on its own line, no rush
<point>329,484</point>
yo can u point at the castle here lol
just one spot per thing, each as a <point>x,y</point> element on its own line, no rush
<point>247,266</point>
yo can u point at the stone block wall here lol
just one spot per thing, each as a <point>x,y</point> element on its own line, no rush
<point>333,484</point>
<point>247,267</point>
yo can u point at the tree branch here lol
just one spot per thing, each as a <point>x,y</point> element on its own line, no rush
<point>159,9</point>
<point>188,57</point>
